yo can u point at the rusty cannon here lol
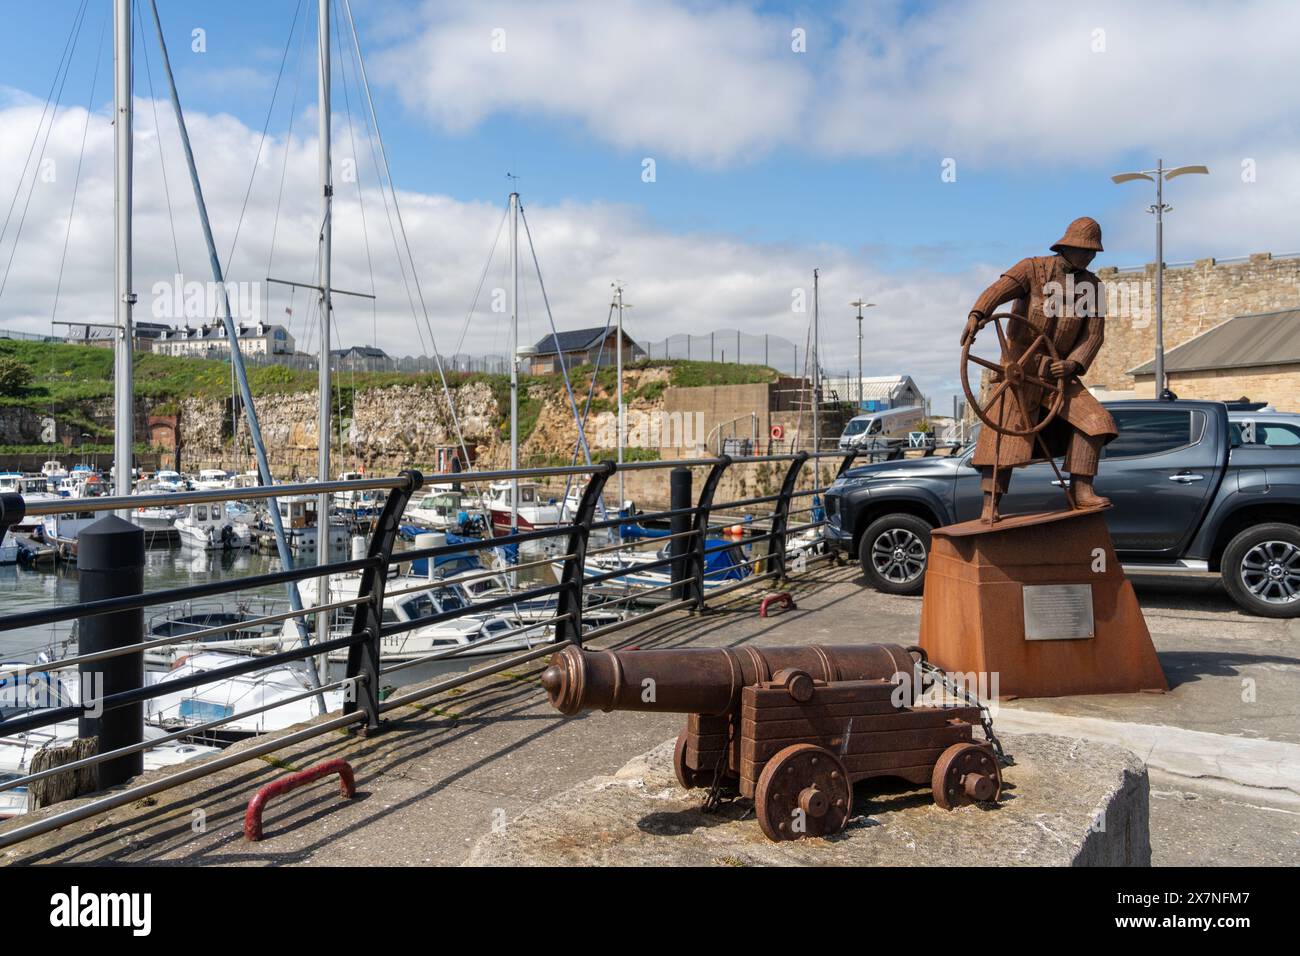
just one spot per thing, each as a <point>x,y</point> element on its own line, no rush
<point>793,728</point>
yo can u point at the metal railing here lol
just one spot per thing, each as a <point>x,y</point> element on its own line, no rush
<point>687,583</point>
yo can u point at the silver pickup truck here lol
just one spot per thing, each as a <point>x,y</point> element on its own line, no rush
<point>1192,491</point>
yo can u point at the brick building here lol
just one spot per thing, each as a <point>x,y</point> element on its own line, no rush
<point>1197,297</point>
<point>1251,356</point>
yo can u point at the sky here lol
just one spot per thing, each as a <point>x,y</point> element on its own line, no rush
<point>708,156</point>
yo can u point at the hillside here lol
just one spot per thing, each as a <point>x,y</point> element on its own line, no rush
<point>388,418</point>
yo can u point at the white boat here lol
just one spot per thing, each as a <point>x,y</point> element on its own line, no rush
<point>471,630</point>
<point>211,479</point>
<point>61,530</point>
<point>207,526</point>
<point>357,504</point>
<point>439,509</point>
<point>191,619</point>
<point>298,517</point>
<point>53,472</point>
<point>166,480</point>
<point>532,513</point>
<point>42,689</point>
<point>226,696</point>
<point>8,547</point>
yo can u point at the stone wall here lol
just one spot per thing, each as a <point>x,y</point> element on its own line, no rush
<point>1279,385</point>
<point>1196,298</point>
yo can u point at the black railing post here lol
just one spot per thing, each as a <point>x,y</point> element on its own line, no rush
<point>848,461</point>
<point>569,606</point>
<point>110,564</point>
<point>699,557</point>
<point>781,516</point>
<point>368,618</point>
<point>13,508</point>
<point>679,485</point>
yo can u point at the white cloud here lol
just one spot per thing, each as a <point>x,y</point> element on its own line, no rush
<point>990,82</point>
<point>679,282</point>
<point>709,84</point>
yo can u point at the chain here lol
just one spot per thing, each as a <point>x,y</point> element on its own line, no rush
<point>715,798</point>
<point>986,719</point>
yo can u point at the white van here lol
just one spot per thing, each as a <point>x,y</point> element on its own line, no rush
<point>881,428</point>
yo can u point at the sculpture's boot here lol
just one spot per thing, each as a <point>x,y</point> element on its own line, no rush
<point>1084,495</point>
<point>994,484</point>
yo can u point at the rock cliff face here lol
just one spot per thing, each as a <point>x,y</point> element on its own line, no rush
<point>401,426</point>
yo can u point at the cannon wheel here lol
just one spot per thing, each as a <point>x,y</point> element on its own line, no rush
<point>965,774</point>
<point>1013,376</point>
<point>685,775</point>
<point>804,791</point>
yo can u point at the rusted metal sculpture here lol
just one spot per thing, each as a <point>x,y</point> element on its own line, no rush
<point>1037,407</point>
<point>792,728</point>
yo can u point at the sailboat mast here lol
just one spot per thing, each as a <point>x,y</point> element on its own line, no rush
<point>514,359</point>
<point>816,377</point>
<point>618,400</point>
<point>123,394</point>
<point>326,308</point>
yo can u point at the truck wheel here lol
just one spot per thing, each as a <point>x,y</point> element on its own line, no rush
<point>1261,570</point>
<point>893,553</point>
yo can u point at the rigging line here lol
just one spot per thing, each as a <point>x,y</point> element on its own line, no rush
<point>383,154</point>
<point>492,251</point>
<point>18,233</point>
<point>230,256</point>
<point>564,368</point>
<point>361,202</point>
<point>72,31</point>
<point>392,230</point>
<point>388,212</point>
<point>284,166</point>
<point>162,160</point>
<point>591,392</point>
<point>76,182</point>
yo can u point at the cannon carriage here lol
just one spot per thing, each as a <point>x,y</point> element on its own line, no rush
<point>792,728</point>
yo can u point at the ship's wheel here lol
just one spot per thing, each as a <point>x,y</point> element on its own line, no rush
<point>1014,377</point>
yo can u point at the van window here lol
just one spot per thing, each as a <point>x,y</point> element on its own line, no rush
<point>876,425</point>
<point>1151,431</point>
<point>855,427</point>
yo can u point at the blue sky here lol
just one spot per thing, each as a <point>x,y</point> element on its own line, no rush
<point>767,159</point>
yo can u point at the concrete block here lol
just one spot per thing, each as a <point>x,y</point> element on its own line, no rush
<point>1065,803</point>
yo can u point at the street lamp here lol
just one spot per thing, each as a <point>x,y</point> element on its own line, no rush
<point>1158,176</point>
<point>860,305</point>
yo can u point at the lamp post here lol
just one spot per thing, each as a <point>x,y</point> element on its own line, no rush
<point>860,305</point>
<point>1158,176</point>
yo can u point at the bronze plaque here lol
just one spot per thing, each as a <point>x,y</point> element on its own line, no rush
<point>1058,612</point>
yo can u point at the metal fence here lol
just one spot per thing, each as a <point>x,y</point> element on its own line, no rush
<point>733,346</point>
<point>791,510</point>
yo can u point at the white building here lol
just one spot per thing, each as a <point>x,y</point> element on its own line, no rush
<point>207,341</point>
<point>878,392</point>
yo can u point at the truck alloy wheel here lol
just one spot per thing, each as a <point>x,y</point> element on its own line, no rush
<point>894,551</point>
<point>1261,570</point>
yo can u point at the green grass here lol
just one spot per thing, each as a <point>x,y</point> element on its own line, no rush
<point>66,377</point>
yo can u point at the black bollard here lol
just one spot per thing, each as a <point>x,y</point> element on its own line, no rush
<point>110,564</point>
<point>679,484</point>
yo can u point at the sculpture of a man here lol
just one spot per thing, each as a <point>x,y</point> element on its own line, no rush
<point>1061,299</point>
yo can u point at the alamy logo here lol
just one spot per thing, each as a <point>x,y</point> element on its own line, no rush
<point>74,909</point>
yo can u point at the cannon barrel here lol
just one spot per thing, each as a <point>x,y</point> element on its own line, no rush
<point>704,680</point>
